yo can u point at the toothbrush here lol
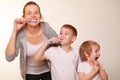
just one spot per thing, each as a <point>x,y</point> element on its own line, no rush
<point>54,44</point>
<point>31,21</point>
<point>27,21</point>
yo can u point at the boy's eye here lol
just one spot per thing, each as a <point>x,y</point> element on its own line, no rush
<point>66,33</point>
<point>36,13</point>
<point>60,32</point>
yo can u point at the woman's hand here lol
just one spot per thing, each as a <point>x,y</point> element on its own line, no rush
<point>18,24</point>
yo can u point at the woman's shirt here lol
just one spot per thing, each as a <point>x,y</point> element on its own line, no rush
<point>32,66</point>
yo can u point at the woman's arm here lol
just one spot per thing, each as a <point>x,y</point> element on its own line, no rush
<point>11,46</point>
<point>10,49</point>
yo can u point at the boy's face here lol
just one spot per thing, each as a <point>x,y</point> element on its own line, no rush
<point>66,36</point>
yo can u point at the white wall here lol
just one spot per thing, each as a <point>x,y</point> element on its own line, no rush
<point>97,20</point>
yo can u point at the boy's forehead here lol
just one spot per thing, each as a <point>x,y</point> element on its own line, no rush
<point>65,29</point>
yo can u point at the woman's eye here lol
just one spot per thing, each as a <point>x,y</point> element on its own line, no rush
<point>28,13</point>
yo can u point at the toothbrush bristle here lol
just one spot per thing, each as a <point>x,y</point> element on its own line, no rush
<point>31,20</point>
<point>27,21</point>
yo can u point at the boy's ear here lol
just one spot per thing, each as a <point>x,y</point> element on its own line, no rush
<point>74,38</point>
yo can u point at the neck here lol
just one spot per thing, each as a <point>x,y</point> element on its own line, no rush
<point>66,48</point>
<point>32,30</point>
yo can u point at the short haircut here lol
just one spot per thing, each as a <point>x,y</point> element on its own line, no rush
<point>74,30</point>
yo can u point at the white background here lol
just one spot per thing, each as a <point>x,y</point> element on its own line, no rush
<point>97,20</point>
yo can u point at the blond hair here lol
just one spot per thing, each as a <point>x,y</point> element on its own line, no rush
<point>87,47</point>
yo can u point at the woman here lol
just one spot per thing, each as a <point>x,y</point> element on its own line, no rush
<point>28,34</point>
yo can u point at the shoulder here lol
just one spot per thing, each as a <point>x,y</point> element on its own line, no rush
<point>75,52</point>
<point>81,63</point>
<point>51,49</point>
<point>48,31</point>
<point>51,52</point>
<point>44,25</point>
<point>81,66</point>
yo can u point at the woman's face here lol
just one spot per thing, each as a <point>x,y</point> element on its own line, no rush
<point>32,13</point>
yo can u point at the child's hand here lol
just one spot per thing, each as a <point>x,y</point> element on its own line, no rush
<point>96,66</point>
<point>96,63</point>
<point>53,40</point>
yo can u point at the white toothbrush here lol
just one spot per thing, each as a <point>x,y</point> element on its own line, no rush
<point>27,21</point>
<point>31,21</point>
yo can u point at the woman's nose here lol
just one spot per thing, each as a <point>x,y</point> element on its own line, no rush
<point>33,15</point>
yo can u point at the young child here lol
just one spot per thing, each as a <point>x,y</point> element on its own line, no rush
<point>63,58</point>
<point>90,68</point>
